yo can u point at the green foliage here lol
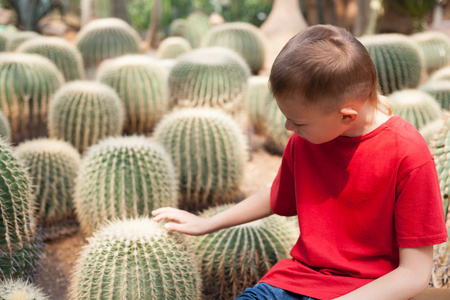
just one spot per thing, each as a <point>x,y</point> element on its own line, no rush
<point>84,112</point>
<point>53,166</point>
<point>417,10</point>
<point>123,177</point>
<point>244,38</point>
<point>209,151</point>
<point>15,39</point>
<point>20,290</point>
<point>142,87</point>
<point>255,103</point>
<point>435,47</point>
<point>172,47</point>
<point>106,38</point>
<point>440,90</point>
<point>63,54</point>
<point>18,246</point>
<point>212,77</point>
<point>27,82</point>
<point>398,60</point>
<point>135,259</point>
<point>236,258</point>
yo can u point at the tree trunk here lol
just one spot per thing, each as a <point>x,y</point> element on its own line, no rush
<point>152,36</point>
<point>119,10</point>
<point>362,17</point>
<point>284,21</point>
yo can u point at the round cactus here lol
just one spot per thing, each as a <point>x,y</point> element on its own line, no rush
<point>440,90</point>
<point>172,47</point>
<point>275,133</point>
<point>244,38</point>
<point>27,82</point>
<point>17,38</point>
<point>106,38</point>
<point>209,150</point>
<point>135,259</point>
<point>84,112</point>
<point>123,177</point>
<point>141,84</point>
<point>177,27</point>
<point>416,107</point>
<point>441,74</point>
<point>63,54</point>
<point>197,25</point>
<point>53,166</point>
<point>3,40</point>
<point>435,47</point>
<point>20,290</point>
<point>5,128</point>
<point>236,258</point>
<point>19,252</point>
<point>256,99</point>
<point>214,77</point>
<point>398,60</point>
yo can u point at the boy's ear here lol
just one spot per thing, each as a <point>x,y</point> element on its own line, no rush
<point>348,115</point>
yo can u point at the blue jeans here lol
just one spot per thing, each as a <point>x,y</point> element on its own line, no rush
<point>264,291</point>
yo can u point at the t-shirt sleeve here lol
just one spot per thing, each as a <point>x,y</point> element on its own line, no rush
<point>282,195</point>
<point>419,214</point>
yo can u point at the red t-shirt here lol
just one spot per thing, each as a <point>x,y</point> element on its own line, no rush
<point>357,199</point>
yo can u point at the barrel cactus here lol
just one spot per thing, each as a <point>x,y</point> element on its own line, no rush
<point>177,27</point>
<point>17,38</point>
<point>141,84</point>
<point>53,166</point>
<point>106,38</point>
<point>275,133</point>
<point>256,99</point>
<point>27,81</point>
<point>172,47</point>
<point>209,150</point>
<point>440,90</point>
<point>214,77</point>
<point>135,259</point>
<point>244,38</point>
<point>20,290</point>
<point>236,258</point>
<point>123,177</point>
<point>441,74</point>
<point>63,54</point>
<point>19,248</point>
<point>5,128</point>
<point>84,112</point>
<point>3,40</point>
<point>398,60</point>
<point>435,47</point>
<point>197,25</point>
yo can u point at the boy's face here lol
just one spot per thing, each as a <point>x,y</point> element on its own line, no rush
<point>310,122</point>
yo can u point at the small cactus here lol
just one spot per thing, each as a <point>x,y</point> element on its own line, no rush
<point>275,133</point>
<point>197,25</point>
<point>257,96</point>
<point>84,112</point>
<point>63,54</point>
<point>398,60</point>
<point>106,38</point>
<point>20,290</point>
<point>141,84</point>
<point>123,177</point>
<point>236,258</point>
<point>172,47</point>
<point>209,150</point>
<point>19,248</point>
<point>5,128</point>
<point>17,38</point>
<point>244,38</point>
<point>441,74</point>
<point>177,27</point>
<point>211,77</point>
<point>53,166</point>
<point>440,90</point>
<point>435,47</point>
<point>416,107</point>
<point>3,40</point>
<point>135,259</point>
<point>27,82</point>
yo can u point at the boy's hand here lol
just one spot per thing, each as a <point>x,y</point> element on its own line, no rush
<point>186,222</point>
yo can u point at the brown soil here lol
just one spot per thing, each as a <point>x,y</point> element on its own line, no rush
<point>61,254</point>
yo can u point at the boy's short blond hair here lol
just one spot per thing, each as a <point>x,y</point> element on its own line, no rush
<point>326,66</point>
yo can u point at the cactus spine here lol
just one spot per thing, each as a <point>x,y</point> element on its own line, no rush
<point>435,47</point>
<point>17,38</point>
<point>19,251</point>
<point>440,90</point>
<point>244,38</point>
<point>63,54</point>
<point>209,150</point>
<point>84,112</point>
<point>212,77</point>
<point>141,84</point>
<point>5,128</point>
<point>256,101</point>
<point>275,133</point>
<point>20,290</point>
<point>53,166</point>
<point>172,47</point>
<point>27,83</point>
<point>123,177</point>
<point>135,259</point>
<point>236,258</point>
<point>398,60</point>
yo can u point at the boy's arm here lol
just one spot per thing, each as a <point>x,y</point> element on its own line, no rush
<point>408,280</point>
<point>252,208</point>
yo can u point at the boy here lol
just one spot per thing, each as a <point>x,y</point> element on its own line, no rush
<point>362,182</point>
